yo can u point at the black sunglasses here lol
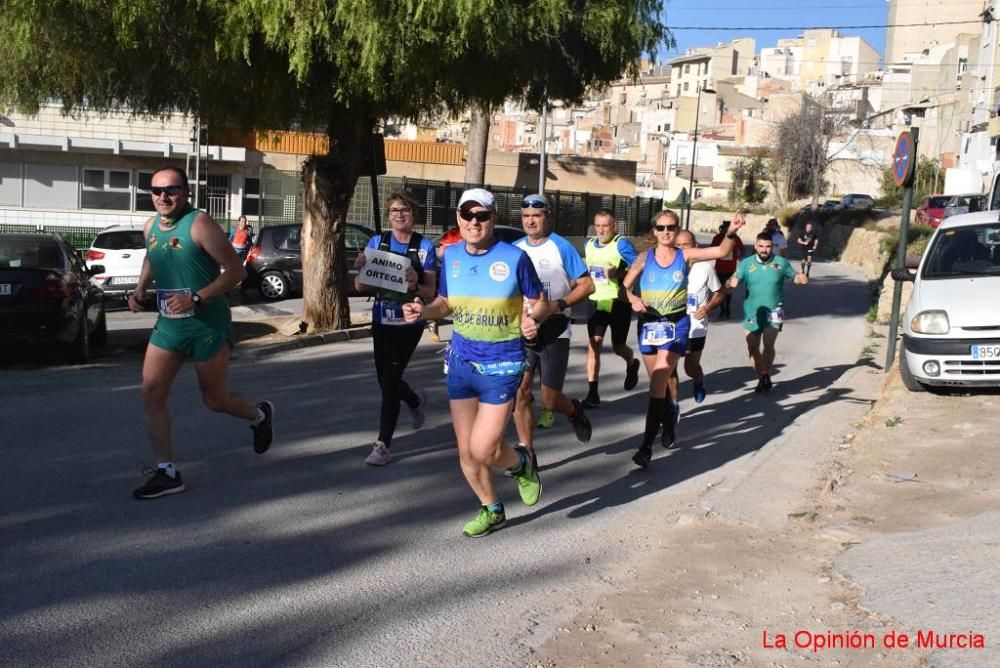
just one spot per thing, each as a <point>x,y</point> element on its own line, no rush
<point>533,204</point>
<point>481,216</point>
<point>169,191</point>
<point>666,228</point>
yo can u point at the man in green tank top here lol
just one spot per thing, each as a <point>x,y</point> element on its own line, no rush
<point>185,249</point>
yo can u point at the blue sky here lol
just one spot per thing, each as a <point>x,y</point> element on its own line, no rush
<point>770,13</point>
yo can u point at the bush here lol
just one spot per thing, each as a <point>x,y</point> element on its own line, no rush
<point>917,238</point>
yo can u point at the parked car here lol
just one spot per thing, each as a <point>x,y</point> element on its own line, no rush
<point>857,201</point>
<point>120,249</point>
<point>951,328</point>
<point>931,210</point>
<point>47,297</point>
<point>968,203</point>
<point>274,263</point>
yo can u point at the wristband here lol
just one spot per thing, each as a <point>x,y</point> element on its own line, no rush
<point>733,236</point>
<point>561,303</point>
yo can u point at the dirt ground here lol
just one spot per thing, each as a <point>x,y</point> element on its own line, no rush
<point>719,592</point>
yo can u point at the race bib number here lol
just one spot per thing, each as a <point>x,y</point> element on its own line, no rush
<point>392,314</point>
<point>599,274</point>
<point>692,303</point>
<point>161,303</point>
<point>776,316</point>
<point>657,333</point>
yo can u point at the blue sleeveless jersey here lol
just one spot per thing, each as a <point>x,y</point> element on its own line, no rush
<point>665,288</point>
<point>486,293</point>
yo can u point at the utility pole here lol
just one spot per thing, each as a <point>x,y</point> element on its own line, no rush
<point>541,152</point>
<point>694,155</point>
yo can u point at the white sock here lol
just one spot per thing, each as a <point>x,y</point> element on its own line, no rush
<point>168,468</point>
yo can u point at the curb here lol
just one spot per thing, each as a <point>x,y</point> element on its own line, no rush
<point>311,340</point>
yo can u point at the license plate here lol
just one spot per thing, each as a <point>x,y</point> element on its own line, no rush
<point>123,280</point>
<point>986,352</point>
<point>5,290</point>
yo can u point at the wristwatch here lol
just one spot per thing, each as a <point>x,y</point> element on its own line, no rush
<point>561,303</point>
<point>196,298</point>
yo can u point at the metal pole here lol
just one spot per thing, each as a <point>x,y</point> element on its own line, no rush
<point>694,158</point>
<point>197,161</point>
<point>897,291</point>
<point>541,152</point>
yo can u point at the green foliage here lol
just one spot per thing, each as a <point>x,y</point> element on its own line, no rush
<point>928,179</point>
<point>748,181</point>
<point>917,238</point>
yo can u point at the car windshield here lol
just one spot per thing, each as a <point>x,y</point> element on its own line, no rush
<point>23,253</point>
<point>937,202</point>
<point>964,251</point>
<point>120,240</point>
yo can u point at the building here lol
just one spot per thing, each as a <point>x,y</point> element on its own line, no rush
<point>908,20</point>
<point>819,59</point>
<point>702,67</point>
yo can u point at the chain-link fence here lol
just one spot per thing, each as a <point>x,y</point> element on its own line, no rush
<point>574,212</point>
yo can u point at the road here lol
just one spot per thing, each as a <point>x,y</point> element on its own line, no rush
<point>305,556</point>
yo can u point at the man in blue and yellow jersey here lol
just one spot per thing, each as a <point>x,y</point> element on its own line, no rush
<point>608,256</point>
<point>494,296</point>
<point>185,249</point>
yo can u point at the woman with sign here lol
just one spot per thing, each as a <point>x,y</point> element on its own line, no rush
<point>661,273</point>
<point>394,339</point>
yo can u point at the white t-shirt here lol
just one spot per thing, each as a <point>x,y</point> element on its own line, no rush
<point>702,282</point>
<point>778,242</point>
<point>557,263</point>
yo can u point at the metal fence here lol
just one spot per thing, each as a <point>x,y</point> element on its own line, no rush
<point>77,237</point>
<point>574,211</point>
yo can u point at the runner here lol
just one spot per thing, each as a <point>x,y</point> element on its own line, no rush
<point>454,235</point>
<point>662,275</point>
<point>704,294</point>
<point>566,283</point>
<point>808,243</point>
<point>393,339</point>
<point>763,311</point>
<point>485,283</point>
<point>778,240</point>
<point>726,267</point>
<point>184,250</point>
<point>608,257</point>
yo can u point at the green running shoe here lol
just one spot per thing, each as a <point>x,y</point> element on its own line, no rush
<point>529,485</point>
<point>545,419</point>
<point>485,523</point>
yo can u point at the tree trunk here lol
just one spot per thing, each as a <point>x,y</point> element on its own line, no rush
<point>479,139</point>
<point>329,184</point>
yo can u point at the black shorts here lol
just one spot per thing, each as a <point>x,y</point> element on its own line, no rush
<point>696,344</point>
<point>552,358</point>
<point>618,317</point>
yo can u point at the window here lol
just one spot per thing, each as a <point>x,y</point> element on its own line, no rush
<point>120,240</point>
<point>293,240</point>
<point>736,62</point>
<point>51,186</point>
<point>355,240</point>
<point>10,183</point>
<point>106,189</point>
<point>687,68</point>
<point>251,196</point>
<point>678,91</point>
<point>686,85</point>
<point>143,197</point>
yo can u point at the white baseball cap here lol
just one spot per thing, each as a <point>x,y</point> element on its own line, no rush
<point>480,196</point>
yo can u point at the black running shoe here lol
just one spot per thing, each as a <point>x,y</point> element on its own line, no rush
<point>768,385</point>
<point>761,386</point>
<point>632,375</point>
<point>160,484</point>
<point>591,401</point>
<point>263,433</point>
<point>581,423</point>
<point>643,456</point>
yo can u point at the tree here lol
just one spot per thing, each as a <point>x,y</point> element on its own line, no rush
<point>928,175</point>
<point>749,176</point>
<point>802,149</point>
<point>342,66</point>
<point>478,144</point>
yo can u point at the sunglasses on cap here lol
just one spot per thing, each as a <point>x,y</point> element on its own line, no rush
<point>169,191</point>
<point>533,204</point>
<point>481,216</point>
<point>666,228</point>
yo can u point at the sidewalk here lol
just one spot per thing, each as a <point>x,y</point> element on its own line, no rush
<point>894,529</point>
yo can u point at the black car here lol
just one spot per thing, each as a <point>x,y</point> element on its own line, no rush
<point>274,264</point>
<point>47,297</point>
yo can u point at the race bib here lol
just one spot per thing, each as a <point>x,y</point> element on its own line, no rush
<point>161,303</point>
<point>657,333</point>
<point>392,313</point>
<point>692,303</point>
<point>776,316</point>
<point>599,274</point>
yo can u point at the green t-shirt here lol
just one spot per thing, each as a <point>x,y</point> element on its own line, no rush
<point>766,283</point>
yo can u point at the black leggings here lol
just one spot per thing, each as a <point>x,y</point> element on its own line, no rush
<point>394,347</point>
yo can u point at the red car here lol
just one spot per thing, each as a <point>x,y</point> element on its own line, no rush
<point>931,210</point>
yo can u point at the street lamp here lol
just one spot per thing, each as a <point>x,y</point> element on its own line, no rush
<point>694,155</point>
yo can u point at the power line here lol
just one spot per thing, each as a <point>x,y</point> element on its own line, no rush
<point>867,27</point>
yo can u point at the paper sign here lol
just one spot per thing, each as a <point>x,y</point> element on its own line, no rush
<point>384,270</point>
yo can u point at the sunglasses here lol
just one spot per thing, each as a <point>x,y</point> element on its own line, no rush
<point>481,216</point>
<point>169,191</point>
<point>666,228</point>
<point>533,204</point>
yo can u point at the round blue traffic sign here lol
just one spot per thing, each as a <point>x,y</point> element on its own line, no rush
<point>903,159</point>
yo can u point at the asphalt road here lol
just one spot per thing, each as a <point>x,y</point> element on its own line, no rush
<point>305,556</point>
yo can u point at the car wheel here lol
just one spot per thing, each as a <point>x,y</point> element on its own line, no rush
<point>78,351</point>
<point>100,335</point>
<point>273,286</point>
<point>909,382</point>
